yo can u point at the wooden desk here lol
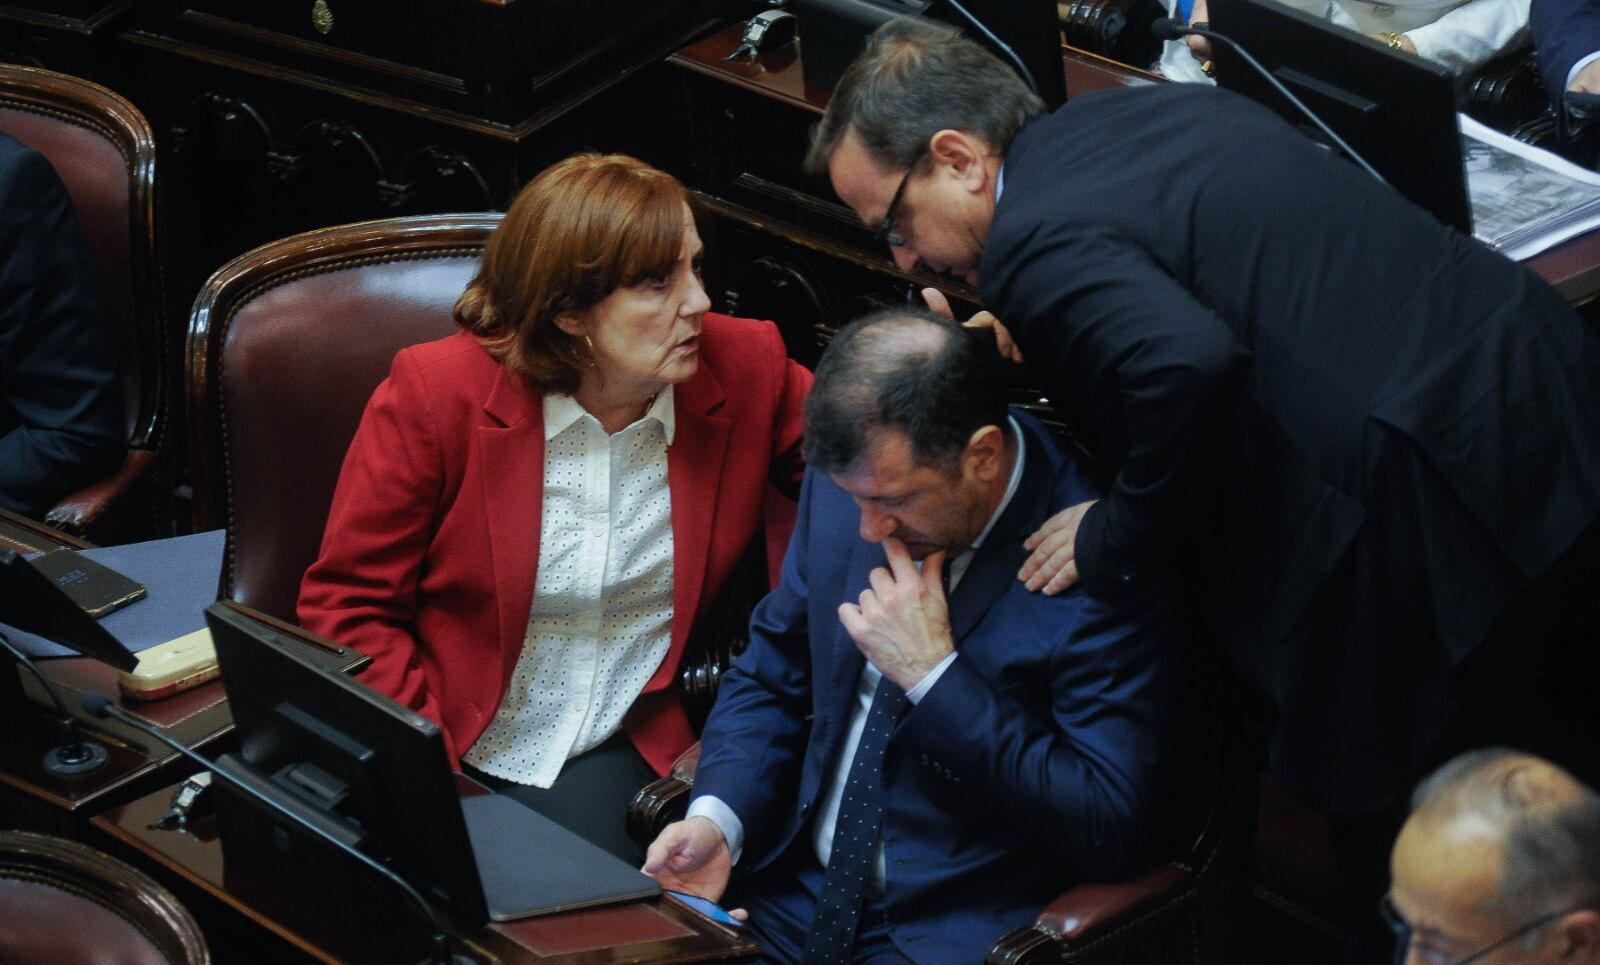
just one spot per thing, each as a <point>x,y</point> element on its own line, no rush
<point>30,797</point>
<point>751,123</point>
<point>651,931</point>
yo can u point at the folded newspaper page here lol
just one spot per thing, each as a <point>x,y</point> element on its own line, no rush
<point>1524,200</point>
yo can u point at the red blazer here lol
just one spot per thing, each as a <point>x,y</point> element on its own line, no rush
<point>432,545</point>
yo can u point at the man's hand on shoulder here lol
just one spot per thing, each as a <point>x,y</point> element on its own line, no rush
<point>691,856</point>
<point>901,624</point>
<point>1054,566</point>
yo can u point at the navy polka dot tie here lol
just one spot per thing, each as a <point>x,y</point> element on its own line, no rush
<point>855,835</point>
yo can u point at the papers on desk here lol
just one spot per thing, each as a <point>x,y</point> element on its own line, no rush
<point>182,576</point>
<point>1524,200</point>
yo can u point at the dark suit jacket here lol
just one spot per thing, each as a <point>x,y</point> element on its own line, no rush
<point>431,551</point>
<point>1278,357</point>
<point>1030,764</point>
<point>1564,32</point>
<point>61,400</point>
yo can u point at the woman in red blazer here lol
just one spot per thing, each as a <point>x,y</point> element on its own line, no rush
<point>587,314</point>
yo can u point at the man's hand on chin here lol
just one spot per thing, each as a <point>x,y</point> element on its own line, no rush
<point>901,624</point>
<point>691,856</point>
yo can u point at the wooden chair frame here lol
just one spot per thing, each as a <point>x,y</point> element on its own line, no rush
<point>97,877</point>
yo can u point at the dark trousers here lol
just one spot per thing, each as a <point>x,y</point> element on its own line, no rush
<point>590,797</point>
<point>782,900</point>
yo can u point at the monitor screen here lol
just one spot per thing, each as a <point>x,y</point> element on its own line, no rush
<point>833,32</point>
<point>1395,109</point>
<point>349,757</point>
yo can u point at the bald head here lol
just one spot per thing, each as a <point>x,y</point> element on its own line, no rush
<point>1498,839</point>
<point>909,370</point>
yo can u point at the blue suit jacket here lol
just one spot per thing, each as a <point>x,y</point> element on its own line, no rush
<point>1564,32</point>
<point>1030,765</point>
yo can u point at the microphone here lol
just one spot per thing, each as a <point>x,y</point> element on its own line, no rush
<point>1170,28</point>
<point>101,706</point>
<point>74,756</point>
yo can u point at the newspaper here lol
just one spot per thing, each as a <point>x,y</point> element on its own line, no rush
<point>1524,200</point>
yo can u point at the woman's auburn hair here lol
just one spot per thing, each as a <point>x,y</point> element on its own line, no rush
<point>582,229</point>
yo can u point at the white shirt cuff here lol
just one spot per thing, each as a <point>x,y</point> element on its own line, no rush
<point>711,807</point>
<point>924,685</point>
<point>1572,74</point>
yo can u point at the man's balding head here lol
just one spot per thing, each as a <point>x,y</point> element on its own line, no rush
<point>909,370</point>
<point>1497,840</point>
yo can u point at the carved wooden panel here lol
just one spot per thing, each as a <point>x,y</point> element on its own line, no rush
<point>501,61</point>
<point>71,36</point>
<point>269,128</point>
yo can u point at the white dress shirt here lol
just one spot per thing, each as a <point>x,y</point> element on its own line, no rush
<point>1459,34</point>
<point>601,620</point>
<point>822,827</point>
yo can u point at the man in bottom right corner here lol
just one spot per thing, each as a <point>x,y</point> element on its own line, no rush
<point>1498,864</point>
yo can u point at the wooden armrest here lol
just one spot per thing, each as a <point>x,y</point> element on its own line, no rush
<point>663,801</point>
<point>79,511</point>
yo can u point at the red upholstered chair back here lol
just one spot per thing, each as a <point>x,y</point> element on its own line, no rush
<point>286,344</point>
<point>66,904</point>
<point>105,153</point>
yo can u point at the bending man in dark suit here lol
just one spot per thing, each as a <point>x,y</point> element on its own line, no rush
<point>61,405</point>
<point>898,777</point>
<point>1362,437</point>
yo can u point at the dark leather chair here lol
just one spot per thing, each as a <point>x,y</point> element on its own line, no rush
<point>66,904</point>
<point>104,151</point>
<point>286,344</point>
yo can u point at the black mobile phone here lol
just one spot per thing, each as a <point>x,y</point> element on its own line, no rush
<point>707,908</point>
<point>96,589</point>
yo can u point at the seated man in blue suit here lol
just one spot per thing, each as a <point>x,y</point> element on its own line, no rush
<point>897,771</point>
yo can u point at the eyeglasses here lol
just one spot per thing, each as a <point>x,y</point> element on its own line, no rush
<point>886,235</point>
<point>1433,956</point>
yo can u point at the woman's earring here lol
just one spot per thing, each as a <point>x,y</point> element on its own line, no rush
<point>589,342</point>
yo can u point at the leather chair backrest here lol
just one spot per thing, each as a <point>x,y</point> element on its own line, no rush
<point>104,151</point>
<point>66,904</point>
<point>286,344</point>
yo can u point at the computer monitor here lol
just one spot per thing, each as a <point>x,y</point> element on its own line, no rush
<point>833,32</point>
<point>350,760</point>
<point>1396,109</point>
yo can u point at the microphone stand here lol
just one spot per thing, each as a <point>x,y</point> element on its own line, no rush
<point>74,756</point>
<point>1005,48</point>
<point>99,705</point>
<point>1169,28</point>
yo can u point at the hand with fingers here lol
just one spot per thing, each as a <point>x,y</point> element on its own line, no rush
<point>1053,566</point>
<point>940,305</point>
<point>691,856</point>
<point>901,624</point>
